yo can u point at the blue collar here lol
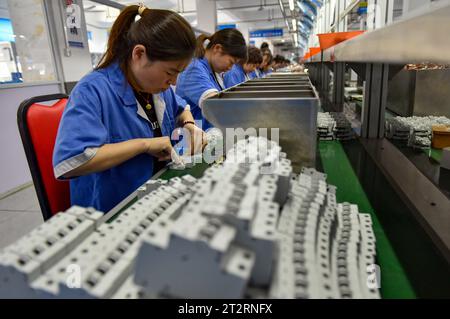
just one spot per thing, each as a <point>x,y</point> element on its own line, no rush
<point>240,67</point>
<point>206,63</point>
<point>120,84</point>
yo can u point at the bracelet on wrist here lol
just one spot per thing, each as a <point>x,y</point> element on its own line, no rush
<point>188,122</point>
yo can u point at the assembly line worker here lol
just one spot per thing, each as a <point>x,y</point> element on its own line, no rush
<point>200,81</point>
<point>265,65</point>
<point>240,72</point>
<point>116,126</point>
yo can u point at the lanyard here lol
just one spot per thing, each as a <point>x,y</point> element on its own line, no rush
<point>215,77</point>
<point>151,114</point>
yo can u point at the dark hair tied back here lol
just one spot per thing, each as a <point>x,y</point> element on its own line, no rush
<point>231,40</point>
<point>165,35</point>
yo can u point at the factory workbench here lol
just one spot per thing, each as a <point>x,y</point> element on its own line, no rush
<point>409,263</point>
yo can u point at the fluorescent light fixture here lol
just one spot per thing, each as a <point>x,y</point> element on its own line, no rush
<point>281,5</point>
<point>291,5</point>
<point>294,25</point>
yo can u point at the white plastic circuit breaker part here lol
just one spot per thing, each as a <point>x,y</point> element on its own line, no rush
<point>333,125</point>
<point>258,235</point>
<point>110,253</point>
<point>16,273</point>
<point>85,259</point>
<point>194,263</point>
<point>130,290</point>
<point>416,131</point>
<point>328,243</point>
<point>46,245</point>
<point>239,227</point>
<point>149,187</point>
<point>188,180</point>
<point>89,213</point>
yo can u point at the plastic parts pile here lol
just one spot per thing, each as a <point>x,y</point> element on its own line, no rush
<point>415,131</point>
<point>214,138</point>
<point>334,126</point>
<point>249,228</point>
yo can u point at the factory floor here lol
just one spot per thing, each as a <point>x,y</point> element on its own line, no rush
<point>19,214</point>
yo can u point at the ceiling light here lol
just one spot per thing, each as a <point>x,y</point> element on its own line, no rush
<point>291,5</point>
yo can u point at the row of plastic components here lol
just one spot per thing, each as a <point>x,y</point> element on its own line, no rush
<point>415,131</point>
<point>325,247</point>
<point>220,236</point>
<point>226,235</point>
<point>85,257</point>
<point>108,258</point>
<point>334,126</point>
<point>33,255</point>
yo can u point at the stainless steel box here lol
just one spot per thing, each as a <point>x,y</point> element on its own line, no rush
<point>294,113</point>
<point>277,84</point>
<point>267,80</point>
<point>419,93</point>
<point>271,88</point>
<point>268,94</point>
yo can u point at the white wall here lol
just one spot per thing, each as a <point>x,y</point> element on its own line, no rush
<point>98,24</point>
<point>79,63</point>
<point>206,16</point>
<point>14,169</point>
<point>99,39</point>
<point>32,40</point>
<point>3,9</point>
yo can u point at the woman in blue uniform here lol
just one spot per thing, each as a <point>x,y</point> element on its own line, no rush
<point>201,78</point>
<point>115,130</point>
<point>240,72</point>
<point>265,65</point>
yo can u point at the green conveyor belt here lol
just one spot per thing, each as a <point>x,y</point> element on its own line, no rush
<point>340,173</point>
<point>434,154</point>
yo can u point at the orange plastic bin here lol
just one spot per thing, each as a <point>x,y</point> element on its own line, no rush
<point>327,40</point>
<point>314,50</point>
<point>441,136</point>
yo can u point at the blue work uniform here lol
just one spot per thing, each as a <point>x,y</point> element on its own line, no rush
<point>194,84</point>
<point>263,74</point>
<point>255,74</point>
<point>235,76</point>
<point>103,109</point>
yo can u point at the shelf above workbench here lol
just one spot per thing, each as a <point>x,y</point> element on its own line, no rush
<point>419,39</point>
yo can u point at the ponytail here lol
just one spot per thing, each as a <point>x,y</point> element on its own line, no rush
<point>231,40</point>
<point>165,35</point>
<point>200,47</point>
<point>117,41</point>
<point>254,56</point>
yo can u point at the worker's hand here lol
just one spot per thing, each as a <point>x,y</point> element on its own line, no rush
<point>160,147</point>
<point>198,138</point>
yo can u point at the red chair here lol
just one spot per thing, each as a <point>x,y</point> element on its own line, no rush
<point>38,119</point>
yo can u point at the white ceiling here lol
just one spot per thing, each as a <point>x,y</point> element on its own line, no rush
<point>254,14</point>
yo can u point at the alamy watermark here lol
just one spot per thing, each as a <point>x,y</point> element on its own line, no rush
<point>219,145</point>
